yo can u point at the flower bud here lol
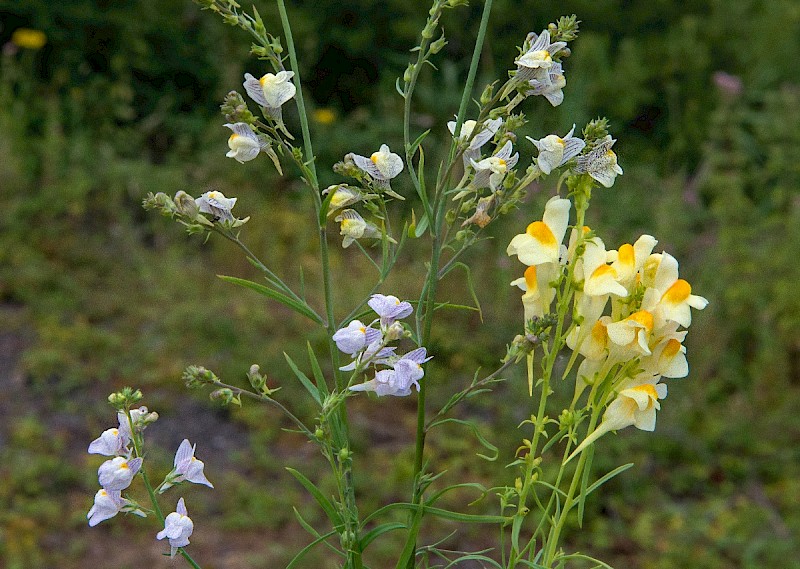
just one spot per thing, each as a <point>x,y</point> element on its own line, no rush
<point>344,454</point>
<point>127,397</point>
<point>487,94</point>
<point>186,205</point>
<point>437,46</point>
<point>409,72</point>
<point>395,331</point>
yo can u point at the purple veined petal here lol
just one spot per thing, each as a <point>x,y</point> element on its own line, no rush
<point>367,166</point>
<point>417,355</point>
<point>254,89</point>
<point>184,454</point>
<point>181,508</point>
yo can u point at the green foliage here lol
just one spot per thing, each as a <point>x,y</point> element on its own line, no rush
<point>122,102</point>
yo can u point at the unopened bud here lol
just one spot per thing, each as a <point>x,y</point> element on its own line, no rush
<point>487,94</point>
<point>437,46</point>
<point>186,205</point>
<point>395,331</point>
<point>409,73</point>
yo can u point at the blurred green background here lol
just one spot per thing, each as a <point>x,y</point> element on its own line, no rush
<point>122,99</point>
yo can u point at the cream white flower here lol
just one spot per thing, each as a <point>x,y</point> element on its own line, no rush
<point>382,165</point>
<point>492,170</point>
<point>178,526</point>
<point>594,345</point>
<point>353,226</point>
<point>216,204</point>
<point>487,132</point>
<point>669,298</point>
<point>343,196</point>
<point>601,163</point>
<point>538,58</point>
<point>550,88</point>
<point>271,91</point>
<point>555,151</point>
<point>118,473</point>
<point>244,144</point>
<point>541,242</point>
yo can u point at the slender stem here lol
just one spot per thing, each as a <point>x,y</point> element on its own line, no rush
<point>301,107</point>
<point>473,70</point>
<point>137,450</point>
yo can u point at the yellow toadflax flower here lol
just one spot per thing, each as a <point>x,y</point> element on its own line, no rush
<point>635,406</point>
<point>541,242</point>
<point>27,38</point>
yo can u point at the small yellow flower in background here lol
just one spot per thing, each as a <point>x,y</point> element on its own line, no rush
<point>324,116</point>
<point>27,38</point>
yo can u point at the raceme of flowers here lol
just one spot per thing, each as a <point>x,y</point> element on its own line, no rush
<point>648,305</point>
<point>117,473</point>
<point>369,348</point>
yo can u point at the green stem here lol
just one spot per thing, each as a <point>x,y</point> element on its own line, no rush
<point>137,451</point>
<point>473,70</point>
<point>301,107</point>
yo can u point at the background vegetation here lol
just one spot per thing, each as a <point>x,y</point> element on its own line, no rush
<point>96,294</point>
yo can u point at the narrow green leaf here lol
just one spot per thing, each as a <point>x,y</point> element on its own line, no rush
<point>422,225</point>
<point>585,558</point>
<point>421,189</point>
<point>474,557</point>
<point>319,377</point>
<point>587,467</point>
<point>410,548</point>
<point>475,431</point>
<point>378,531</point>
<point>607,477</point>
<point>302,553</point>
<point>298,307</point>
<point>439,513</point>
<point>324,502</point>
<point>324,207</point>
<point>471,288</point>
<point>397,87</point>
<point>303,378</point>
<point>414,145</point>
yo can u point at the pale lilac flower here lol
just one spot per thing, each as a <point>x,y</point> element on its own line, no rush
<point>271,91</point>
<point>117,473</point>
<point>555,151</point>
<point>244,143</point>
<point>178,526</point>
<point>112,442</point>
<point>107,504</point>
<point>538,59</point>
<point>407,371</point>
<point>491,171</point>
<point>551,87</point>
<point>487,132</point>
<point>601,163</point>
<point>216,204</point>
<point>375,353</point>
<point>188,467</point>
<point>355,337</point>
<point>382,165</point>
<point>389,308</point>
<point>137,415</point>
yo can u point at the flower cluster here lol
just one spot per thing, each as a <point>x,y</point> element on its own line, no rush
<point>124,444</point>
<point>369,346</point>
<point>639,342</point>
